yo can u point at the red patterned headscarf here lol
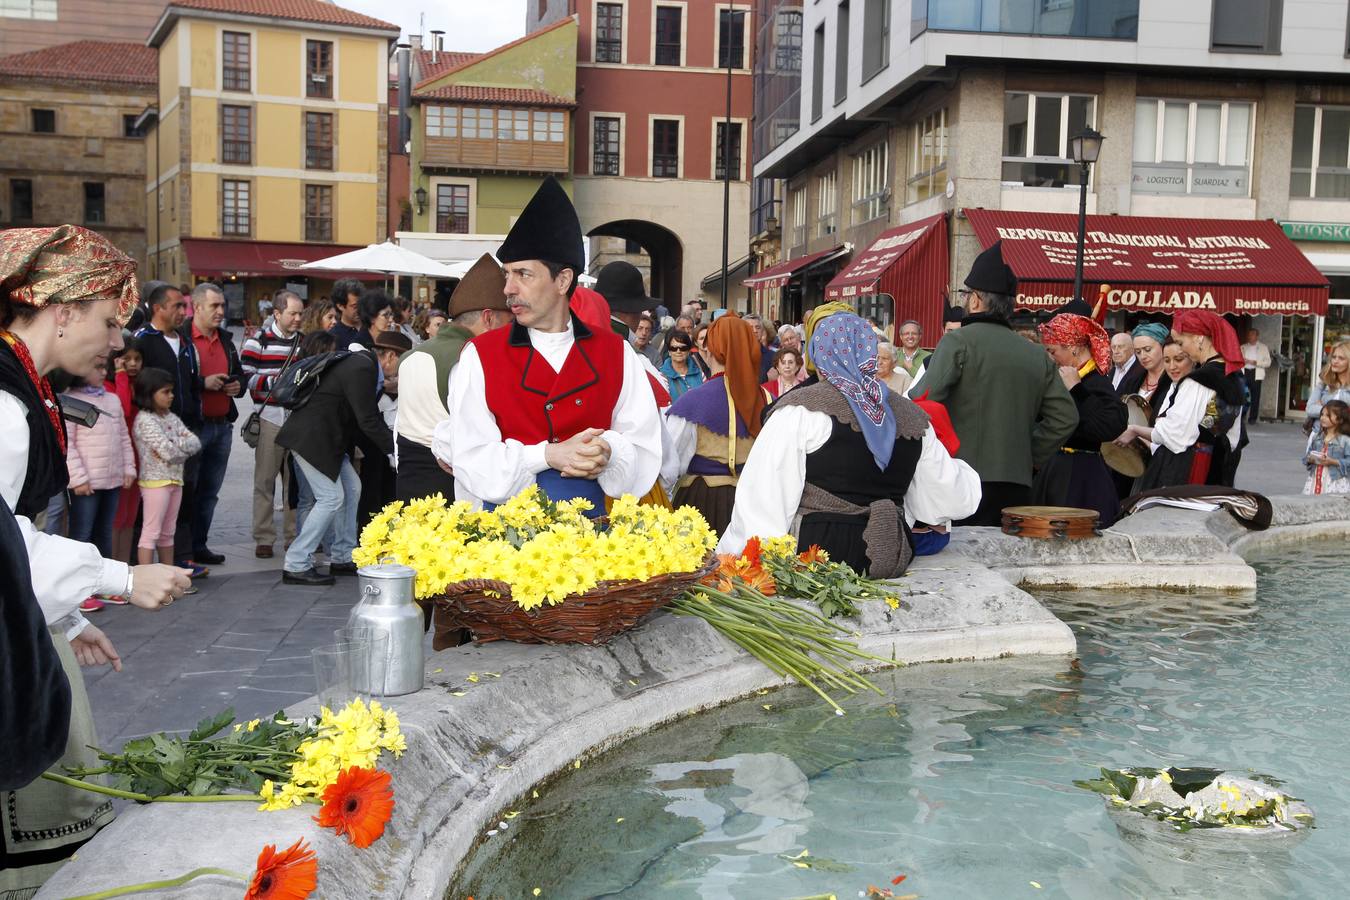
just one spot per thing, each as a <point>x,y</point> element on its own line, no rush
<point>39,266</point>
<point>1217,329</point>
<point>1079,331</point>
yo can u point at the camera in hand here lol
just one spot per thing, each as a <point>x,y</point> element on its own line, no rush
<point>78,411</point>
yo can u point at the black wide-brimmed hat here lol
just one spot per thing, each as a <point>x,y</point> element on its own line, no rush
<point>482,287</point>
<point>548,230</point>
<point>393,340</point>
<point>620,283</point>
<point>991,274</point>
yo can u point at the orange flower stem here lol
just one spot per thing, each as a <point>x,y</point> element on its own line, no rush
<point>146,798</point>
<point>157,885</point>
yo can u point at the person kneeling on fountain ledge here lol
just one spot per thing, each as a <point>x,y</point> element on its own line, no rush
<point>847,464</point>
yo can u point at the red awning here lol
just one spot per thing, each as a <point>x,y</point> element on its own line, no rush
<point>781,274</point>
<point>910,263</point>
<point>1155,264</point>
<point>213,259</point>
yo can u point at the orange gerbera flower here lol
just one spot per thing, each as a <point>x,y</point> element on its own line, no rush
<point>760,580</point>
<point>813,554</point>
<point>358,805</point>
<point>291,874</point>
<point>753,554</point>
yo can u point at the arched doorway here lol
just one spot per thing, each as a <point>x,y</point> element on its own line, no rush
<point>666,252</point>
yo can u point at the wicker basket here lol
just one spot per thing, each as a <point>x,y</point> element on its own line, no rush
<point>609,608</point>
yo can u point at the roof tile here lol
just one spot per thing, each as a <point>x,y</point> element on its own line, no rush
<point>300,10</point>
<point>103,62</point>
<point>471,93</point>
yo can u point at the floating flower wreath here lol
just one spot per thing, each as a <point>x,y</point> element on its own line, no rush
<point>1191,798</point>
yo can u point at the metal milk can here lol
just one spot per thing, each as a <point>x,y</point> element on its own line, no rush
<point>387,607</point>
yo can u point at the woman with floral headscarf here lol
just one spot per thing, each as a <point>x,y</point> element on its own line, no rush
<point>1076,475</point>
<point>64,293</point>
<point>848,464</point>
<point>711,427</point>
<point>1198,431</point>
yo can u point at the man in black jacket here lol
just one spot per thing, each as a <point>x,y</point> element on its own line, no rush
<point>346,300</point>
<point>320,434</point>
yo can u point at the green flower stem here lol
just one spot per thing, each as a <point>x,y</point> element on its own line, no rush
<point>146,798</point>
<point>157,885</point>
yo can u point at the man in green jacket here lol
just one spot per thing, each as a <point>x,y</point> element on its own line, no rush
<point>1008,405</point>
<point>477,305</point>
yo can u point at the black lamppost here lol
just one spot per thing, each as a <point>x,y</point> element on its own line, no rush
<point>726,46</point>
<point>1084,148</point>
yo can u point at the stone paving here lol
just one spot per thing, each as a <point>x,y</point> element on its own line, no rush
<point>244,640</point>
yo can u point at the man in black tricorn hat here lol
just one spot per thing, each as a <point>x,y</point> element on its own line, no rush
<point>567,407</point>
<point>1008,405</point>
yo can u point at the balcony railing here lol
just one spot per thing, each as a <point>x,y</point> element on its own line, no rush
<point>1111,19</point>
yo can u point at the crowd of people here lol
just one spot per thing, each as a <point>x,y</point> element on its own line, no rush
<point>873,449</point>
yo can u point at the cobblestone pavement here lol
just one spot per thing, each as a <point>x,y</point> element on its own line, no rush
<point>244,640</point>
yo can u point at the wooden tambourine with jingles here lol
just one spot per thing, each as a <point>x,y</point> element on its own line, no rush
<point>1061,523</point>
<point>1131,461</point>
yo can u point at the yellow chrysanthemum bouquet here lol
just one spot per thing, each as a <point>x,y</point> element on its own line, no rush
<point>545,552</point>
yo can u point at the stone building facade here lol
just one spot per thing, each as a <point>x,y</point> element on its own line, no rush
<point>71,152</point>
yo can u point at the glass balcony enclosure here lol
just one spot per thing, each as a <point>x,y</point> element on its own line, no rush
<point>1113,19</point>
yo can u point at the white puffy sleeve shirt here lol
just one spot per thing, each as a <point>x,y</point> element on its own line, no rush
<point>493,469</point>
<point>770,487</point>
<point>65,572</point>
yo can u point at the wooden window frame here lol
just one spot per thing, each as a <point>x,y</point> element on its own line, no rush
<point>744,13</point>
<point>657,44</point>
<point>738,168</point>
<point>311,72</point>
<point>622,44</point>
<point>454,187</point>
<point>230,78</point>
<point>225,209</point>
<point>102,218</point>
<point>228,144</point>
<point>311,149</point>
<point>596,119</point>
<point>312,219</point>
<point>652,121</point>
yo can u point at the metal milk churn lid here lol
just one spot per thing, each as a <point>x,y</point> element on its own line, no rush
<point>387,606</point>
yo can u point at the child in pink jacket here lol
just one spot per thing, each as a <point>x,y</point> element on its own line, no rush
<point>102,464</point>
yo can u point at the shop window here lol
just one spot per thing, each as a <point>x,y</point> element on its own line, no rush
<point>236,208</point>
<point>731,38</point>
<point>827,203</point>
<point>44,121</point>
<point>609,32</point>
<point>236,135</point>
<point>452,209</point>
<point>669,37</point>
<point>1192,147</point>
<point>723,149</point>
<point>318,140</point>
<point>665,148</point>
<point>20,200</point>
<point>318,68</point>
<point>95,210</point>
<point>1321,153</point>
<point>1036,133</point>
<point>871,183</point>
<point>927,158</point>
<point>235,61</point>
<point>318,212</point>
<point>1247,26</point>
<point>605,151</point>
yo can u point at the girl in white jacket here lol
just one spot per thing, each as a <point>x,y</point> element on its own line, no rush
<point>164,443</point>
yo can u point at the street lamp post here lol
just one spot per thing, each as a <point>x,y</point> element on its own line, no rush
<point>726,46</point>
<point>1085,148</point>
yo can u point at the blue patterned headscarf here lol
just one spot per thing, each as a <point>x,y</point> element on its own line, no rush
<point>844,348</point>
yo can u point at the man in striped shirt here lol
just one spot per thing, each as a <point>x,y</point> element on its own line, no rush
<point>263,357</point>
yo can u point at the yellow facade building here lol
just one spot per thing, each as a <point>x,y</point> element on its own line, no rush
<point>267,147</point>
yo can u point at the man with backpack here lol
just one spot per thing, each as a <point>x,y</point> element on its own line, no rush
<point>264,355</point>
<point>332,397</point>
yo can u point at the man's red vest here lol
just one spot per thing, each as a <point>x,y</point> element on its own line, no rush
<point>531,402</point>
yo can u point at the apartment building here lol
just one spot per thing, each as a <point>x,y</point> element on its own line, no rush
<point>267,145</point>
<point>72,151</point>
<point>916,132</point>
<point>27,25</point>
<point>651,135</point>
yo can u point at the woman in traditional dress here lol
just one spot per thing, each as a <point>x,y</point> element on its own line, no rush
<point>1076,475</point>
<point>712,427</point>
<point>847,464</point>
<point>64,293</point>
<point>1200,421</point>
<point>1149,341</point>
